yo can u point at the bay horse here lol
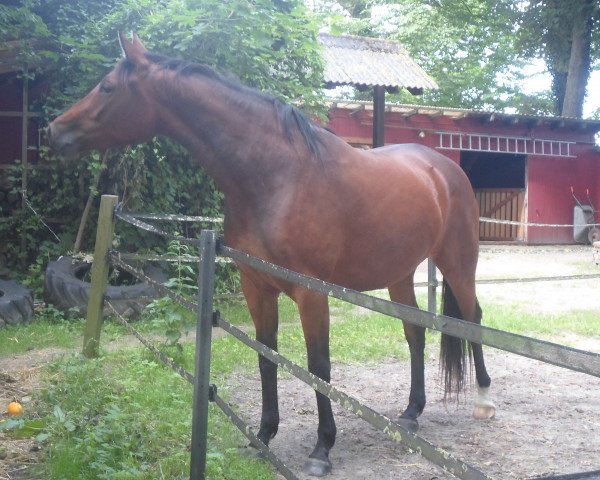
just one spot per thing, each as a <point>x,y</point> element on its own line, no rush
<point>300,197</point>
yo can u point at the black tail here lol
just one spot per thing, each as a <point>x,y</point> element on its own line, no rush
<point>455,353</point>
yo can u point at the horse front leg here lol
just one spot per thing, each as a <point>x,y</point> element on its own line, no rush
<point>403,292</point>
<point>314,314</point>
<point>262,303</point>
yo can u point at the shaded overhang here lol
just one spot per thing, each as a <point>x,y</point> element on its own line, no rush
<point>368,62</point>
<point>586,125</point>
<point>383,65</point>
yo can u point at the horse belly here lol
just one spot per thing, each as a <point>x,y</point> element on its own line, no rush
<point>378,261</point>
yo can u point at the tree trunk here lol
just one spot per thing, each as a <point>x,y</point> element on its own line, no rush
<point>88,205</point>
<point>579,62</point>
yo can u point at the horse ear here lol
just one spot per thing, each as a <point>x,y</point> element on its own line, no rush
<point>138,43</point>
<point>134,50</point>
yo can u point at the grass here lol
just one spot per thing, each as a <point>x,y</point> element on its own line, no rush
<point>121,429</point>
<point>39,335</point>
<point>124,416</point>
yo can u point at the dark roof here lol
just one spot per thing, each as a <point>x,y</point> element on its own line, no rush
<point>362,61</point>
<point>407,110</point>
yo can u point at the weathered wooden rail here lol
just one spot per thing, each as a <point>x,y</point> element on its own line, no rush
<point>204,392</point>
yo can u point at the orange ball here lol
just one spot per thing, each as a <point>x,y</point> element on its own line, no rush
<point>15,409</point>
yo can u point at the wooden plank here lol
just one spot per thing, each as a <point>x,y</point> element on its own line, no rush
<point>501,199</point>
<point>501,204</point>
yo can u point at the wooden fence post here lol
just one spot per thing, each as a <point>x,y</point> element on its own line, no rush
<point>100,267</point>
<point>432,284</point>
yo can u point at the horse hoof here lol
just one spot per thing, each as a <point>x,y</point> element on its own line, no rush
<point>484,412</point>
<point>251,452</point>
<point>410,424</point>
<point>317,468</point>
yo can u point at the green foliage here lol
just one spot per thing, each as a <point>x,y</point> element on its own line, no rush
<point>269,45</point>
<point>168,316</point>
<point>127,416</point>
<point>474,49</point>
<point>465,45</point>
<point>546,29</point>
<point>102,422</point>
<point>176,319</point>
<point>52,196</point>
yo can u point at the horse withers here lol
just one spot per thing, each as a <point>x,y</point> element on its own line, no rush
<point>298,196</point>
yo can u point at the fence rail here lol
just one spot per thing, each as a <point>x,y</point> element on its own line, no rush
<point>204,391</point>
<point>567,357</point>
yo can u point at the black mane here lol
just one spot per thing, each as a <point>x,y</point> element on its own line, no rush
<point>288,115</point>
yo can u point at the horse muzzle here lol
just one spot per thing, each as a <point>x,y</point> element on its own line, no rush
<point>62,141</point>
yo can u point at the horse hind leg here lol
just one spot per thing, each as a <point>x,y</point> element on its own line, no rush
<point>459,297</point>
<point>403,292</point>
<point>484,408</point>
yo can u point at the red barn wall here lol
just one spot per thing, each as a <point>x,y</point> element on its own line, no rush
<point>548,178</point>
<point>549,192</point>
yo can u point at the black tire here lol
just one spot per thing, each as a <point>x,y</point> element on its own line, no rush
<point>16,303</point>
<point>594,235</point>
<point>65,289</point>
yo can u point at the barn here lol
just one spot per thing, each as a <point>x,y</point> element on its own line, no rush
<point>522,168</point>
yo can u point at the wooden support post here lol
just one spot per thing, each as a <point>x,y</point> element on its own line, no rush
<point>378,116</point>
<point>24,158</point>
<point>100,267</point>
<point>206,281</point>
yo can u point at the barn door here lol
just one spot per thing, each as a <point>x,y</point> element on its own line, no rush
<point>501,204</point>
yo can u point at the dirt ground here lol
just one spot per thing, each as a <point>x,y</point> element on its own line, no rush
<point>547,422</point>
<point>548,418</point>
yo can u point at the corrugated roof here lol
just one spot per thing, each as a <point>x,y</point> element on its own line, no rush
<point>362,61</point>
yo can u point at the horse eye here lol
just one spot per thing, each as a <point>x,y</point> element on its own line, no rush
<point>106,87</point>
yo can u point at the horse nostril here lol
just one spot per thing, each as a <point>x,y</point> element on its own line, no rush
<point>53,134</point>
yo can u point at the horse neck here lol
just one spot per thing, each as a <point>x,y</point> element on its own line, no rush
<point>237,138</point>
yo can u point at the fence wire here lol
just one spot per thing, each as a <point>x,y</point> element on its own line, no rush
<point>562,356</point>
<point>396,432</point>
<point>132,220</point>
<point>567,357</point>
<point>175,217</point>
<point>115,259</point>
<point>214,397</point>
<point>528,224</point>
<point>160,356</point>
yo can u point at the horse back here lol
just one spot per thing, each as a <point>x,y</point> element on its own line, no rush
<point>366,219</point>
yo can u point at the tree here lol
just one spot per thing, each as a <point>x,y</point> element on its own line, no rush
<point>475,49</point>
<point>567,36</point>
<point>465,45</point>
<point>268,44</point>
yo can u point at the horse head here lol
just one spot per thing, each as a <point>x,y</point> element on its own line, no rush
<point>116,112</point>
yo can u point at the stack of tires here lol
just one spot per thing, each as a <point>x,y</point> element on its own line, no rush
<point>16,303</point>
<point>66,289</point>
